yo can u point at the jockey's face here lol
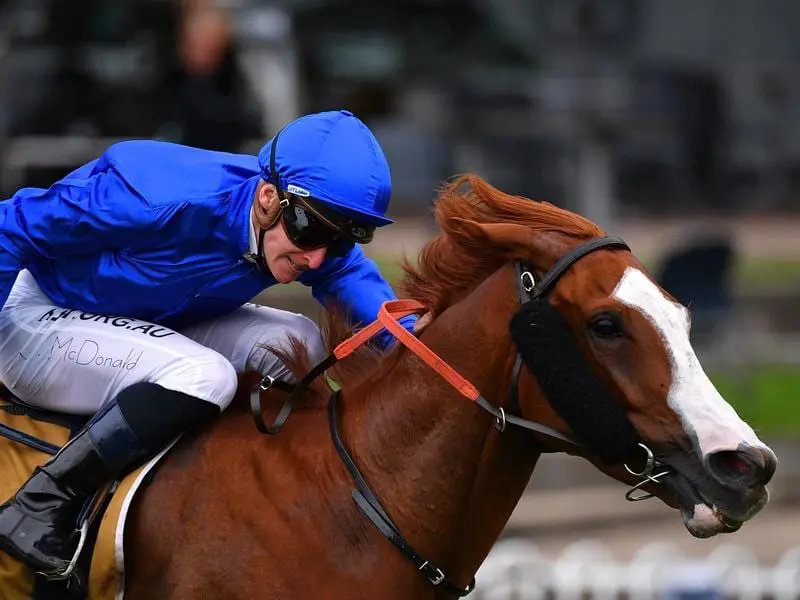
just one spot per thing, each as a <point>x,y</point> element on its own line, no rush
<point>299,236</point>
<point>285,260</point>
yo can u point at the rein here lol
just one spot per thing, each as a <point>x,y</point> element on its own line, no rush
<point>388,316</point>
<point>387,319</point>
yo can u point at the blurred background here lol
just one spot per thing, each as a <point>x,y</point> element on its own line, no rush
<point>673,124</point>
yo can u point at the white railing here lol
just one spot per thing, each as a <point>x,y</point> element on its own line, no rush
<point>516,570</point>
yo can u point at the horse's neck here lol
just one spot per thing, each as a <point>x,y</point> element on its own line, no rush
<point>431,455</point>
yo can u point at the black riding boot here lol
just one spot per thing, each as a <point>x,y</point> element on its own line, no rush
<point>39,525</point>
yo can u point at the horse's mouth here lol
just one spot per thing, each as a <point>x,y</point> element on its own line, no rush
<point>704,517</point>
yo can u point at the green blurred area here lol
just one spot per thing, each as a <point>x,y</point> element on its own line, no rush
<point>768,272</point>
<point>766,396</point>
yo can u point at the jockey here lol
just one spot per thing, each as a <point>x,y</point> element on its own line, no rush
<point>124,290</point>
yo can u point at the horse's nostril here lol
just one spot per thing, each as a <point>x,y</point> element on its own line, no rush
<point>736,463</point>
<point>746,467</point>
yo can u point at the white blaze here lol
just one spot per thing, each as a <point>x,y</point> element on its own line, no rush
<point>703,412</point>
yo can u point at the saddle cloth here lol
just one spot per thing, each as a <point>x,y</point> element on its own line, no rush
<point>104,560</point>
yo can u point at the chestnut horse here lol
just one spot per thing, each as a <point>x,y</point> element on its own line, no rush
<point>609,374</point>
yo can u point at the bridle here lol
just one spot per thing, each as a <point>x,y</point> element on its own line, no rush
<point>653,470</point>
<point>388,315</point>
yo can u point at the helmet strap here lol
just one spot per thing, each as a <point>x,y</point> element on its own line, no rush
<point>274,213</point>
<point>270,220</point>
<point>260,259</point>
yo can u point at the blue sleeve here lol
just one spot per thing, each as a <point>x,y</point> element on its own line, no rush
<point>355,283</point>
<point>84,212</point>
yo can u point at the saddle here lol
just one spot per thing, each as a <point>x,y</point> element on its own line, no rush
<point>28,438</point>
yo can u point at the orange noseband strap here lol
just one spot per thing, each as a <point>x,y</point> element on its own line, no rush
<point>388,316</point>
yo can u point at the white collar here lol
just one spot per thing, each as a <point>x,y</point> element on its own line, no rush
<point>252,231</point>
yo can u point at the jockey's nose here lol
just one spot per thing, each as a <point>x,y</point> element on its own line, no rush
<point>746,467</point>
<point>314,258</point>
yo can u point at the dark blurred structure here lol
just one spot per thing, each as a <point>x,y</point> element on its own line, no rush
<point>91,69</point>
<point>95,66</point>
<point>660,106</point>
<point>407,67</point>
<point>608,107</point>
<point>699,274</point>
<point>206,94</point>
<point>691,107</point>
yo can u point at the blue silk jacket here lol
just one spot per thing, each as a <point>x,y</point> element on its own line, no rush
<point>158,231</point>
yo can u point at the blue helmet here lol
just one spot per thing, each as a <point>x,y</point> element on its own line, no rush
<point>335,159</point>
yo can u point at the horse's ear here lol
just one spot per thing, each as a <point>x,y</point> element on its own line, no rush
<point>514,240</point>
<point>506,236</point>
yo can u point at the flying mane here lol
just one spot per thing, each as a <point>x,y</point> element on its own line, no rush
<point>457,261</point>
<point>452,263</point>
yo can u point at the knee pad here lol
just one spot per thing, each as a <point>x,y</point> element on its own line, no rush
<point>154,415</point>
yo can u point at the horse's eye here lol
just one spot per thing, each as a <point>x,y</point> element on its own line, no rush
<point>606,326</point>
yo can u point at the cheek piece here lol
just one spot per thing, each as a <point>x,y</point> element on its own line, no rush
<point>550,352</point>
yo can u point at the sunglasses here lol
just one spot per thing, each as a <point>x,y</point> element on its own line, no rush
<point>309,227</point>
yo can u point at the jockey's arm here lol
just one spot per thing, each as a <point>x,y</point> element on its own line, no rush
<point>355,283</point>
<point>84,212</point>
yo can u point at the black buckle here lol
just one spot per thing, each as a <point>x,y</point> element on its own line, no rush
<point>266,383</point>
<point>434,575</point>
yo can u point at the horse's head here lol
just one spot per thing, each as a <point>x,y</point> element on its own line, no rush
<point>609,350</point>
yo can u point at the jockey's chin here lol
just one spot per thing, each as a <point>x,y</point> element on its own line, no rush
<point>286,261</point>
<point>286,270</point>
<point>288,266</point>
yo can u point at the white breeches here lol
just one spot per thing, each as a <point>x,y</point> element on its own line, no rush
<point>75,362</point>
